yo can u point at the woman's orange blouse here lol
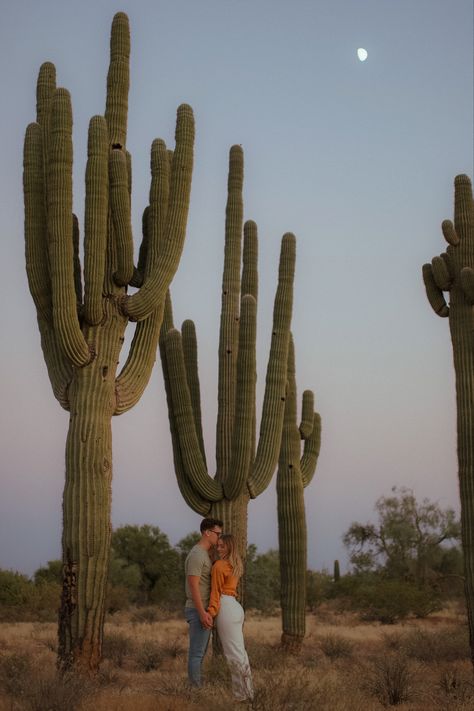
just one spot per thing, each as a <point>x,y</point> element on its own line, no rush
<point>222,583</point>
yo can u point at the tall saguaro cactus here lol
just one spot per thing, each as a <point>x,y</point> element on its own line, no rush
<point>243,467</point>
<point>453,271</point>
<point>295,472</point>
<point>82,329</point>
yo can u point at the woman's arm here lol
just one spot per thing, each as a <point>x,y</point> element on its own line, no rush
<point>218,576</point>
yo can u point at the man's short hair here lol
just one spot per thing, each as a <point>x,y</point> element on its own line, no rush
<point>208,523</point>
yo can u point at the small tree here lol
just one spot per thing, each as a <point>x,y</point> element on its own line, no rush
<point>147,549</point>
<point>407,540</point>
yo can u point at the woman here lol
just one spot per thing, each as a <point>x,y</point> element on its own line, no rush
<point>229,615</point>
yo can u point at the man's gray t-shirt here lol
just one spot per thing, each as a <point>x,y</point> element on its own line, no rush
<point>198,563</point>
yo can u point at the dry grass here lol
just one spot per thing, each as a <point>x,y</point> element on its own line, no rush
<point>343,665</point>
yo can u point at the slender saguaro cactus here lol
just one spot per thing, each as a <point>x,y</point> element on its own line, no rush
<point>453,271</point>
<point>82,330</point>
<point>243,470</point>
<point>295,472</point>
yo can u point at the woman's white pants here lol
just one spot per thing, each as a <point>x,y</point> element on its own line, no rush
<point>229,624</point>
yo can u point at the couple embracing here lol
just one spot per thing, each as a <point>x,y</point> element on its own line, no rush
<point>211,599</point>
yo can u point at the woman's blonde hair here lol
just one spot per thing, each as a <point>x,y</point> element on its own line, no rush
<point>233,554</point>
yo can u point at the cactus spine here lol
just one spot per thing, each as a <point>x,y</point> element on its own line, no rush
<point>243,470</point>
<point>82,330</point>
<point>294,474</point>
<point>453,271</point>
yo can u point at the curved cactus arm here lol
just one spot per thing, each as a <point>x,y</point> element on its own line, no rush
<point>307,411</point>
<point>154,288</point>
<point>133,378</point>
<point>234,483</point>
<point>36,246</point>
<point>434,293</point>
<point>467,283</point>
<point>120,210</point>
<point>441,274</point>
<point>229,320</point>
<point>95,220</point>
<point>448,260</point>
<point>449,233</point>
<point>184,421</point>
<point>199,504</point>
<point>118,81</point>
<point>312,446</point>
<point>60,232</point>
<point>37,268</point>
<point>275,385</point>
<point>188,332</point>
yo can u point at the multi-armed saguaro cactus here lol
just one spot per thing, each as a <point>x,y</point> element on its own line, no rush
<point>295,472</point>
<point>82,332</point>
<point>453,271</point>
<point>241,472</point>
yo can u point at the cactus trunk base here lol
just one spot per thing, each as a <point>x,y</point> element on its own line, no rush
<point>292,642</point>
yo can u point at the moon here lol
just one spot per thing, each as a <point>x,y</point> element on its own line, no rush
<point>362,54</point>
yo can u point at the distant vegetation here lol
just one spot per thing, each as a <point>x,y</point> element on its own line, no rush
<point>409,563</point>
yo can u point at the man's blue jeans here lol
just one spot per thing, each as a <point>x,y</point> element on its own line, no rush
<point>198,641</point>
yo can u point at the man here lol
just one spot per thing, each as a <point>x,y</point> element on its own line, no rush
<point>197,569</point>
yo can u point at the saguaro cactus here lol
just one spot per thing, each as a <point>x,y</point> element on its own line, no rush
<point>241,472</point>
<point>295,472</point>
<point>82,332</point>
<point>453,271</point>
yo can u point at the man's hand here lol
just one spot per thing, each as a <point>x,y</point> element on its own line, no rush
<point>206,620</point>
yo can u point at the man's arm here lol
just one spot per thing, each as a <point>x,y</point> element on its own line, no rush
<point>204,616</point>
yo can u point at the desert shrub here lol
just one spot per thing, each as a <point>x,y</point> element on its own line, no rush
<point>336,647</point>
<point>118,598</point>
<point>16,589</point>
<point>50,573</point>
<point>391,680</point>
<point>57,693</point>
<point>149,656</point>
<point>318,588</point>
<point>148,615</point>
<point>265,656</point>
<point>457,687</point>
<point>262,580</point>
<point>117,647</point>
<point>14,668</point>
<point>438,645</point>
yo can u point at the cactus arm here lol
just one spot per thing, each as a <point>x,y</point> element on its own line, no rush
<point>36,253</point>
<point>312,446</point>
<point>307,411</point>
<point>118,81</point>
<point>249,285</point>
<point>441,274</point>
<point>184,420</point>
<point>194,501</point>
<point>275,385</point>
<point>45,89</point>
<point>234,484</point>
<point>59,369</point>
<point>229,320</point>
<point>120,210</point>
<point>188,332</point>
<point>138,275</point>
<point>139,305</point>
<point>60,229</point>
<point>135,374</point>
<point>449,233</point>
<point>434,293</point>
<point>95,220</point>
